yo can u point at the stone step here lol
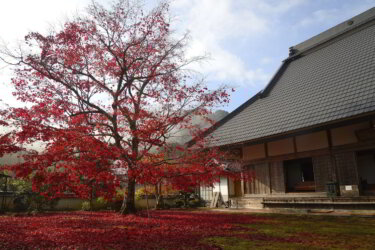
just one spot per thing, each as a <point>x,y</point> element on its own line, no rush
<point>313,202</point>
<point>249,203</point>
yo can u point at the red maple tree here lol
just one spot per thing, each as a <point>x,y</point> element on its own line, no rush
<point>105,94</point>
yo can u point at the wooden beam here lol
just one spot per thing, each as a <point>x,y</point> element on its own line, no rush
<point>291,156</point>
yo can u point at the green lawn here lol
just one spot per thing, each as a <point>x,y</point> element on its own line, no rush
<point>280,231</point>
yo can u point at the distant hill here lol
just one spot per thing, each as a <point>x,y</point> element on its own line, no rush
<point>219,114</point>
<point>184,136</point>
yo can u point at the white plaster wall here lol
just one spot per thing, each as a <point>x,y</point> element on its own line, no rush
<point>223,188</point>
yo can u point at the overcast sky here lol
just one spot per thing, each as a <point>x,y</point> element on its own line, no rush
<point>246,39</point>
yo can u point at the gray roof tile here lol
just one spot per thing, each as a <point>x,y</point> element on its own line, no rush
<point>334,82</point>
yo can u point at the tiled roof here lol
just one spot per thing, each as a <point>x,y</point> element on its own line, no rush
<point>330,82</point>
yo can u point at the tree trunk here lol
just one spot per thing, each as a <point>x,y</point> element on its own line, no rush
<point>128,204</point>
<point>159,197</point>
<point>159,202</point>
<point>148,211</point>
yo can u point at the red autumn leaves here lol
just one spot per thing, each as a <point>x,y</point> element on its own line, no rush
<point>107,230</point>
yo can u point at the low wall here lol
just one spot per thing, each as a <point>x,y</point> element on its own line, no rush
<point>8,202</point>
<point>76,203</point>
<point>142,204</point>
<point>69,204</point>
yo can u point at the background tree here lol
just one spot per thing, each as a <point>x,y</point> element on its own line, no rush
<point>106,93</point>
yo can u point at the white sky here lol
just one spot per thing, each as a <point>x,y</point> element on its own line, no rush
<point>246,39</point>
<point>18,17</point>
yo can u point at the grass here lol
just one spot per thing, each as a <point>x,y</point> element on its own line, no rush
<point>302,232</point>
<point>183,229</point>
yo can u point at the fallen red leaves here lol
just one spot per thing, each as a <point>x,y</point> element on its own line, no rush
<point>107,230</point>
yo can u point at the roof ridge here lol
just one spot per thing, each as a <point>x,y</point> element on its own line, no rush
<point>334,32</point>
<point>298,50</point>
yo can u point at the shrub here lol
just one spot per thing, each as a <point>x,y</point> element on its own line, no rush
<point>100,203</point>
<point>86,206</point>
<point>142,192</point>
<point>26,199</point>
<point>187,200</point>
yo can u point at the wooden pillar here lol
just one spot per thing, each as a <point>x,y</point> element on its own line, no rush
<point>242,185</point>
<point>294,145</point>
<point>333,161</point>
<point>253,183</point>
<point>269,174</point>
<point>269,167</point>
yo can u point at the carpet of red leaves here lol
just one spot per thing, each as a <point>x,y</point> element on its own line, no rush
<point>107,230</point>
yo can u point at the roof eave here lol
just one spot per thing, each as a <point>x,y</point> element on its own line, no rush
<point>314,128</point>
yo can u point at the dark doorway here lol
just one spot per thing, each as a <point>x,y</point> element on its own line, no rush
<point>366,170</point>
<point>299,175</point>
